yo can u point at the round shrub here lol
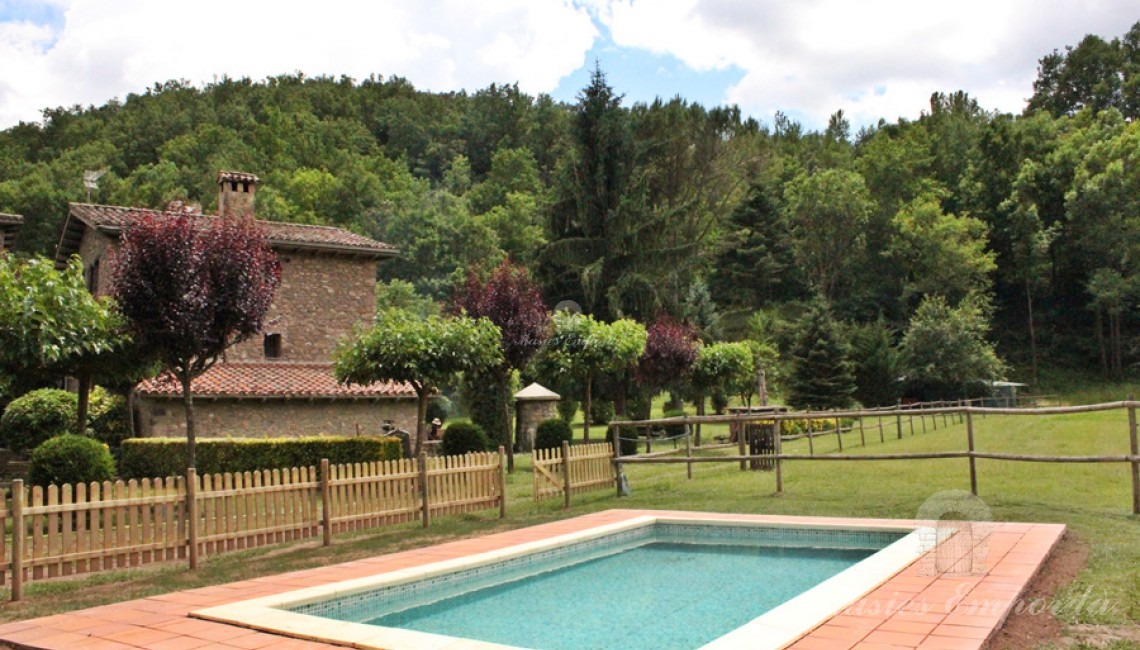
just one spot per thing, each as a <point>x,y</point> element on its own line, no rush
<point>601,411</point>
<point>71,459</point>
<point>552,433</point>
<point>567,409</point>
<point>107,418</point>
<point>719,401</point>
<point>462,437</point>
<point>37,416</point>
<point>641,405</point>
<point>673,430</point>
<point>628,440</point>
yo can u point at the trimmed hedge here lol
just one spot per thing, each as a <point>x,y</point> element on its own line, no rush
<point>462,437</point>
<point>32,419</point>
<point>552,433</point>
<point>159,457</point>
<point>71,459</point>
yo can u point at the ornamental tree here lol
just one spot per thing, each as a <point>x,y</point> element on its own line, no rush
<point>583,348</point>
<point>425,353</point>
<point>51,325</point>
<point>721,366</point>
<point>190,289</point>
<point>510,299</point>
<point>822,376</point>
<point>670,351</point>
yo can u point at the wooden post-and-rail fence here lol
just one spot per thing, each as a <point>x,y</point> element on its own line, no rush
<point>964,413</point>
<point>67,530</point>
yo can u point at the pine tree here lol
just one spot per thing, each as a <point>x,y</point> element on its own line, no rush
<point>822,376</point>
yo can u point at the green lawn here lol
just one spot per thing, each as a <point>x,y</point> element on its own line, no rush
<point>1094,500</point>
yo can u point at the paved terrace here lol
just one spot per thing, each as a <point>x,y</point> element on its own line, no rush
<point>910,610</point>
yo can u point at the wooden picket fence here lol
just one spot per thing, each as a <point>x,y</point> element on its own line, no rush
<point>571,469</point>
<point>67,530</point>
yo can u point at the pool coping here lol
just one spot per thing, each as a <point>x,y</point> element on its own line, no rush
<point>912,609</point>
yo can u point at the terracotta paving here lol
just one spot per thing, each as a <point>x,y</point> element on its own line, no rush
<point>913,609</point>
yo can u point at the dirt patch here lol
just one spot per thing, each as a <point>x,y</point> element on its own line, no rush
<point>1026,631</point>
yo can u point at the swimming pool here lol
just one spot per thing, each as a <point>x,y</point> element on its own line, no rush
<point>448,604</point>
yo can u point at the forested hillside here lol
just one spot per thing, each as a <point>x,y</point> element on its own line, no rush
<point>1030,222</point>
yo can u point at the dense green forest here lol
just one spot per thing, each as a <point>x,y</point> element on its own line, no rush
<point>1030,223</point>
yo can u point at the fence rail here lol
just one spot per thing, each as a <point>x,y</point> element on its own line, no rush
<point>965,414</point>
<point>571,469</point>
<point>70,530</point>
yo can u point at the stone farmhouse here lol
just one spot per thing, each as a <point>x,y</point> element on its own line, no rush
<point>9,226</point>
<point>280,383</point>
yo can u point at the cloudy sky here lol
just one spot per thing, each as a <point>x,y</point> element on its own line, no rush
<point>807,58</point>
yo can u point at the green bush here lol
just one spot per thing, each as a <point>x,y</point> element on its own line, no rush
<point>69,458</point>
<point>601,411</point>
<point>673,430</point>
<point>640,405</point>
<point>160,457</point>
<point>567,409</point>
<point>463,436</point>
<point>107,418</point>
<point>628,440</point>
<point>37,416</point>
<point>552,433</point>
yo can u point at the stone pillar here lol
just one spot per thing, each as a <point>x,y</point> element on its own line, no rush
<point>533,404</point>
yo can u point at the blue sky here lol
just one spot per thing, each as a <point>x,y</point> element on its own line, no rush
<point>873,59</point>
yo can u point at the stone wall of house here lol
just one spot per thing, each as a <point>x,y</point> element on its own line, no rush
<point>320,298</point>
<point>273,418</point>
<point>93,250</point>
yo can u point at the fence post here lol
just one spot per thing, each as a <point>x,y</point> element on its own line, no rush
<point>973,461</point>
<point>326,504</point>
<point>192,515</point>
<point>617,456</point>
<point>811,439</point>
<point>19,538</point>
<point>881,438</point>
<point>898,417</point>
<point>960,412</point>
<point>566,474</point>
<point>1134,445</point>
<point>838,434</point>
<point>779,433</point>
<point>689,453</point>
<point>501,476</point>
<point>741,434</point>
<point>425,505</point>
<point>862,435</point>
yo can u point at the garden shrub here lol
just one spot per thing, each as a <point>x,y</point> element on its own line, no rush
<point>160,457</point>
<point>107,418</point>
<point>601,411</point>
<point>719,401</point>
<point>673,430</point>
<point>552,433</point>
<point>462,437</point>
<point>640,405</point>
<point>628,440</point>
<point>567,409</point>
<point>69,458</point>
<point>37,416</point>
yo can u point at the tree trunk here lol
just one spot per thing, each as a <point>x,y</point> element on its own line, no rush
<point>1032,333</point>
<point>131,419</point>
<point>700,411</point>
<point>1117,353</point>
<point>421,414</point>
<point>620,398</point>
<point>1100,343</point>
<point>188,406</point>
<point>586,410</point>
<point>505,436</point>
<point>84,401</point>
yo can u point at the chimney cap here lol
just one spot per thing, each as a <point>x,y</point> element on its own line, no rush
<point>236,177</point>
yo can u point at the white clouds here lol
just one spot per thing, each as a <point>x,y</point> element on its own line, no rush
<point>812,57</point>
<point>108,48</point>
<point>872,58</point>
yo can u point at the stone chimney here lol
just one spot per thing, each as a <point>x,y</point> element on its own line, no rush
<point>235,193</point>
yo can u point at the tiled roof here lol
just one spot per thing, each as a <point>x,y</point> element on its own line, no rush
<point>272,381</point>
<point>13,219</point>
<point>112,219</point>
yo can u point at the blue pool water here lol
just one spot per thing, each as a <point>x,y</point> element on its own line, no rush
<point>665,586</point>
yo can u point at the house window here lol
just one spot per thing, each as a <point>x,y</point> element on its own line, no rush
<point>272,346</point>
<point>93,277</point>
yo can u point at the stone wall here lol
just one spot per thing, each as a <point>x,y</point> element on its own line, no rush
<point>531,413</point>
<point>273,418</point>
<point>93,251</point>
<point>320,298</point>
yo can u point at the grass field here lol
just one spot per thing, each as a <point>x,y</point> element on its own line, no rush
<point>1094,500</point>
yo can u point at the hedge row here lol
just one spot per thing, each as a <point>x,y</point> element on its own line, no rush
<point>159,457</point>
